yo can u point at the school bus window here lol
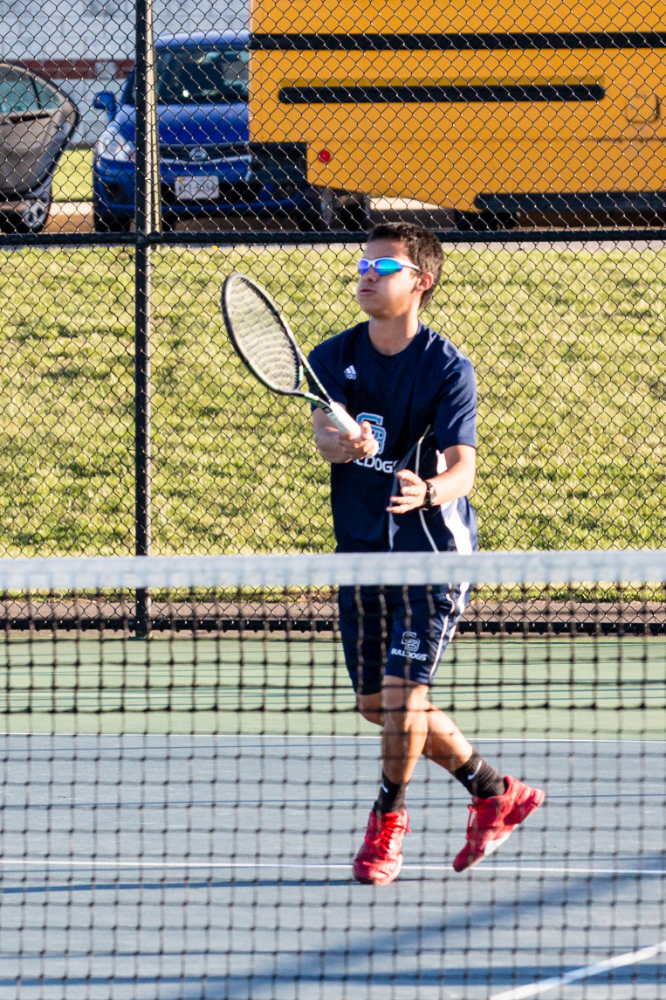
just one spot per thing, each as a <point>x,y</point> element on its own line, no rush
<point>426,95</point>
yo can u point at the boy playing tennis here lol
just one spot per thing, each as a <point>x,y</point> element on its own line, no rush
<point>414,393</point>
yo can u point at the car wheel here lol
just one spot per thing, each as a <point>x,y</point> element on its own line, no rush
<point>311,222</point>
<point>106,222</point>
<point>355,217</point>
<point>319,214</point>
<point>33,217</point>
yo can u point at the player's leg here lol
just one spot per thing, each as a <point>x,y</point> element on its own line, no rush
<point>423,624</point>
<point>445,745</point>
<point>405,732</point>
<point>363,622</point>
<point>419,634</point>
<point>404,716</point>
<point>365,627</point>
<point>424,621</point>
<point>498,804</point>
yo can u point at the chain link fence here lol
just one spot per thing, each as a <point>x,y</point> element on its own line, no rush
<point>146,154</point>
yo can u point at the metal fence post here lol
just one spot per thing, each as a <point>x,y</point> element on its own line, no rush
<point>147,221</point>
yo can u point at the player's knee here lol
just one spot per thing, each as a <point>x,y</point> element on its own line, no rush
<point>404,709</point>
<point>399,720</point>
<point>398,696</point>
<point>370,707</point>
<point>376,716</point>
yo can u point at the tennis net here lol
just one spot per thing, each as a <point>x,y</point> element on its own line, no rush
<point>185,790</point>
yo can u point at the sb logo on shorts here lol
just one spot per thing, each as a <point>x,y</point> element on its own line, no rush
<point>410,641</point>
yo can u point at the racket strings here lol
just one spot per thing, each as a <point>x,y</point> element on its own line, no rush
<point>262,338</point>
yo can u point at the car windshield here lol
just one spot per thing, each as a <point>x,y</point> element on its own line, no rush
<point>202,76</point>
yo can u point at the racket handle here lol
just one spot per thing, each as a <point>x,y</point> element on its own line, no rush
<point>345,422</point>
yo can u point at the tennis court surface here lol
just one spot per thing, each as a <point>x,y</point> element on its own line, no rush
<point>180,810</point>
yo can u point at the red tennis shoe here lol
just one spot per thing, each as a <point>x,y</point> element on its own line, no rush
<point>492,821</point>
<point>380,859</point>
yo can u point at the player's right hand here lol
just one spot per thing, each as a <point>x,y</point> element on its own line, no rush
<point>363,447</point>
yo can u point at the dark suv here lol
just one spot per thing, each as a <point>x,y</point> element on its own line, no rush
<point>208,166</point>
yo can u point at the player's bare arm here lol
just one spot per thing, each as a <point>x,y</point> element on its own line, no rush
<point>338,448</point>
<point>455,482</point>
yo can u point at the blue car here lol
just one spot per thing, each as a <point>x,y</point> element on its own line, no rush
<point>208,166</point>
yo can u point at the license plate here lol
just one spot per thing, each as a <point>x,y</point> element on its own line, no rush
<point>200,187</point>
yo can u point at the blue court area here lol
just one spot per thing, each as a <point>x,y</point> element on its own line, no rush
<point>217,865</point>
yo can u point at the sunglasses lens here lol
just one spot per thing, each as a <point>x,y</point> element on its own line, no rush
<point>386,265</point>
<point>382,265</point>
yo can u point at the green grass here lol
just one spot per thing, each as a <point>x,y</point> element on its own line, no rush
<point>570,352</point>
<point>72,180</point>
<point>606,689</point>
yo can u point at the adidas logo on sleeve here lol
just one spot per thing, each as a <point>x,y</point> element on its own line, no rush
<point>350,372</point>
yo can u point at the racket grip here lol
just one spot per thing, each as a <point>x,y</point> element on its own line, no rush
<point>345,422</point>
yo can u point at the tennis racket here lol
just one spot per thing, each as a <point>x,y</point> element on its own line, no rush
<point>265,343</point>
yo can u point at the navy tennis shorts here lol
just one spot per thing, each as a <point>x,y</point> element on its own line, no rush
<point>403,634</point>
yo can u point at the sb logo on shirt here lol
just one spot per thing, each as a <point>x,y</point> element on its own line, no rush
<point>378,431</point>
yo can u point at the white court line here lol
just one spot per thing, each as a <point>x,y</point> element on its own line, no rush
<point>300,866</point>
<point>534,989</point>
<point>133,863</point>
<point>306,736</point>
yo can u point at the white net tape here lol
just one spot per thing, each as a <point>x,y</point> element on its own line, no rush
<point>389,569</point>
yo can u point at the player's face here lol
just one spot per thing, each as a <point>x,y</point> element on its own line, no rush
<point>384,296</point>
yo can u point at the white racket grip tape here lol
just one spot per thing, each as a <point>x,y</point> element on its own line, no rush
<point>346,423</point>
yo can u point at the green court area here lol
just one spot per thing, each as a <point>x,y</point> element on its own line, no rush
<point>535,688</point>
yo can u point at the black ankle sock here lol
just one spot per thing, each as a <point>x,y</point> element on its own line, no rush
<point>391,796</point>
<point>480,778</point>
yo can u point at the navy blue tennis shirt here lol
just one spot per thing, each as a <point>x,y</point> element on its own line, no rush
<point>419,402</point>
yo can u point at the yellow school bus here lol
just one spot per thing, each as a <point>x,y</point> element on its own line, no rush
<point>506,112</point>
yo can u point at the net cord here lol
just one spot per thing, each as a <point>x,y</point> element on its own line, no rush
<point>379,569</point>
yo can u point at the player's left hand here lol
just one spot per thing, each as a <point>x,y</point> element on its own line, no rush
<point>412,493</point>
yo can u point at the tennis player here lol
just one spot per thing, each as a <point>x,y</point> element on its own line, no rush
<point>415,393</point>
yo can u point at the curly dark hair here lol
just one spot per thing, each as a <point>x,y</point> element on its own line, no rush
<point>423,248</point>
